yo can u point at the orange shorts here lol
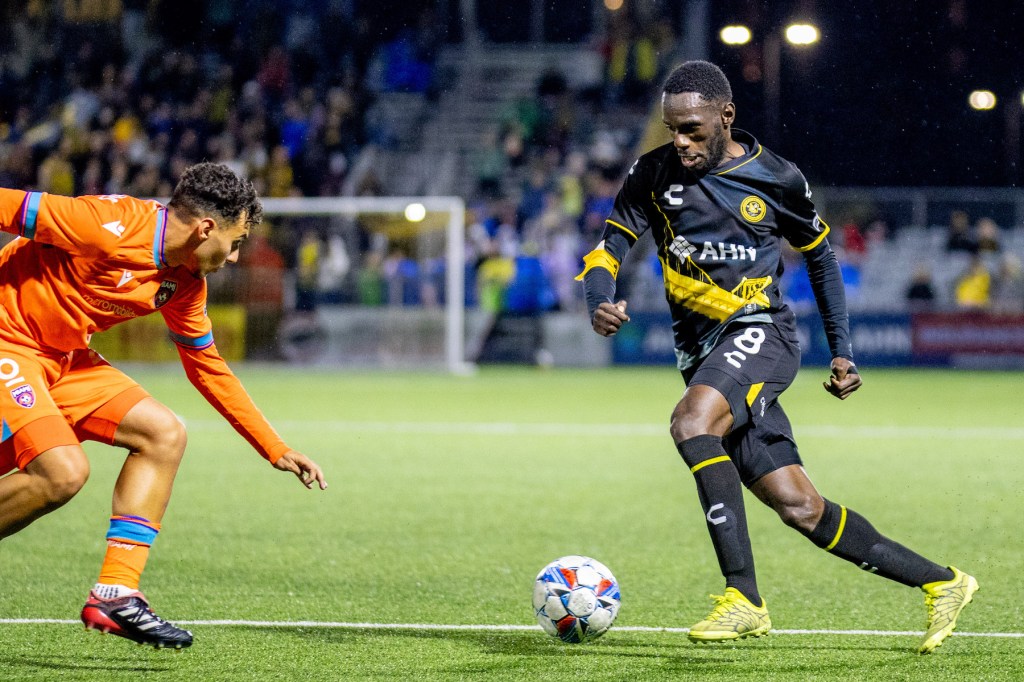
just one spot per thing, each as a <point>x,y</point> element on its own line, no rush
<point>48,400</point>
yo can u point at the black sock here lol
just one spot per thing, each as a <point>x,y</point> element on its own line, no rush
<point>848,535</point>
<point>721,496</point>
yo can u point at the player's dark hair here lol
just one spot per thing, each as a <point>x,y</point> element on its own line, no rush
<point>704,78</point>
<point>214,189</point>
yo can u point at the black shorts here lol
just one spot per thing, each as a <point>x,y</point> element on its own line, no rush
<point>751,366</point>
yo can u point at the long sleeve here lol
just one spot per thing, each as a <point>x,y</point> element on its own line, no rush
<point>827,284</point>
<point>210,374</point>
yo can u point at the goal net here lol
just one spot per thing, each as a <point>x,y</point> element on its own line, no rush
<point>353,282</point>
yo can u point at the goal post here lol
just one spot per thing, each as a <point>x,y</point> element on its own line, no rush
<point>412,210</point>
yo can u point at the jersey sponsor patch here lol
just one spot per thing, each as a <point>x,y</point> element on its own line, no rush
<point>164,293</point>
<point>24,396</point>
<point>753,209</point>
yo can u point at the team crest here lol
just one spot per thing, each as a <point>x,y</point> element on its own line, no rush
<point>164,293</point>
<point>24,396</point>
<point>753,209</point>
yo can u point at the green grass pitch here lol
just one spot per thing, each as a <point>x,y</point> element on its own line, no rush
<point>448,494</point>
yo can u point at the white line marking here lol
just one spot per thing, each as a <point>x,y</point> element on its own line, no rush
<point>624,430</point>
<point>495,628</point>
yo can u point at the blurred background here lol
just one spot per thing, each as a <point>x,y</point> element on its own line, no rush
<point>906,121</point>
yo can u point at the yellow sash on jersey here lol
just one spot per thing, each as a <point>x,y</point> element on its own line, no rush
<point>705,297</point>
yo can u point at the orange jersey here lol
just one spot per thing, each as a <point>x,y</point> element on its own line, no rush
<point>86,264</point>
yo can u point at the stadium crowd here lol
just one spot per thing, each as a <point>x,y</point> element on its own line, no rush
<point>120,96</point>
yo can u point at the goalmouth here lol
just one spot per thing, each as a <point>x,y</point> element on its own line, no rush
<point>411,210</point>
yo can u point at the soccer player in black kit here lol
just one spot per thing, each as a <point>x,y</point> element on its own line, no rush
<point>718,205</point>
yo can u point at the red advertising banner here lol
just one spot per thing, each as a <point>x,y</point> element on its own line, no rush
<point>967,333</point>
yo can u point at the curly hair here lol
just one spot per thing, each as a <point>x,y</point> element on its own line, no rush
<point>704,78</point>
<point>214,189</point>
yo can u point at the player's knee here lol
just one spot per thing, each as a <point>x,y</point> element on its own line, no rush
<point>166,438</point>
<point>686,424</point>
<point>801,513</point>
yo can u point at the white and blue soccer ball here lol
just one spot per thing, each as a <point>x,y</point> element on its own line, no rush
<point>576,598</point>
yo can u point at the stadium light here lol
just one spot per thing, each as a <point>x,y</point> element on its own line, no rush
<point>982,100</point>
<point>613,5</point>
<point>798,34</point>
<point>735,35</point>
<point>802,34</point>
<point>416,212</point>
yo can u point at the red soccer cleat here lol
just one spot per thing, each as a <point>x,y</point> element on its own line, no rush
<point>130,617</point>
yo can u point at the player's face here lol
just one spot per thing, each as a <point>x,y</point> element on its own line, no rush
<point>698,129</point>
<point>220,247</point>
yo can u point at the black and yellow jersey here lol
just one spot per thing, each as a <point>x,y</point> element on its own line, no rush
<point>719,241</point>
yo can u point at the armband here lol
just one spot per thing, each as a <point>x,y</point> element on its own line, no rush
<point>599,258</point>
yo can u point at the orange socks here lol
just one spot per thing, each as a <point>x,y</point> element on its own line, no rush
<point>128,542</point>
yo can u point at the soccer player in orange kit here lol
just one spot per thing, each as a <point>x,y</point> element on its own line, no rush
<point>81,266</point>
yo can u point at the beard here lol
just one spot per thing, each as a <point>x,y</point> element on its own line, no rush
<point>716,147</point>
<point>715,153</point>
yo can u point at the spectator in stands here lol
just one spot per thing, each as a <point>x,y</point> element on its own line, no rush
<point>489,165</point>
<point>535,189</point>
<point>921,291</point>
<point>402,274</point>
<point>972,289</point>
<point>262,294</point>
<point>56,174</point>
<point>280,176</point>
<point>1008,286</point>
<point>308,272</point>
<point>631,60</point>
<point>959,237</point>
<point>854,243</point>
<point>371,287</point>
<point>986,234</point>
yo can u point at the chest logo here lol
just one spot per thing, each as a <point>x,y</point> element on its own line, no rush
<point>125,278</point>
<point>164,293</point>
<point>753,209</point>
<point>674,195</point>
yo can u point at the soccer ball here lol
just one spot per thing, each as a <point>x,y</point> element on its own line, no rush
<point>576,598</point>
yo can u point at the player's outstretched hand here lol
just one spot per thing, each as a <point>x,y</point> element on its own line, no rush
<point>609,317</point>
<point>303,467</point>
<point>844,379</point>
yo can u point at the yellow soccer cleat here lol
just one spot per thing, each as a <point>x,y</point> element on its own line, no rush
<point>945,600</point>
<point>733,617</point>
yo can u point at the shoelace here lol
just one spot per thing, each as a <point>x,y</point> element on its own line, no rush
<point>722,604</point>
<point>143,614</point>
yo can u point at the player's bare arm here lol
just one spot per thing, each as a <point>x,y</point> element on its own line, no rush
<point>305,469</point>
<point>843,380</point>
<point>609,318</point>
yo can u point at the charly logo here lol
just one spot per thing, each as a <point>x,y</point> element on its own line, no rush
<point>716,520</point>
<point>753,209</point>
<point>24,396</point>
<point>164,293</point>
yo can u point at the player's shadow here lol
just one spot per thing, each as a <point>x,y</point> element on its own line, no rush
<point>509,643</point>
<point>682,655</point>
<point>28,667</point>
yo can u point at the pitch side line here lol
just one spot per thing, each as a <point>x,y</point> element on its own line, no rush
<point>496,628</point>
<point>624,430</point>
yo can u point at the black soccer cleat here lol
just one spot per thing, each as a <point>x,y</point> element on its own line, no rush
<point>130,617</point>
